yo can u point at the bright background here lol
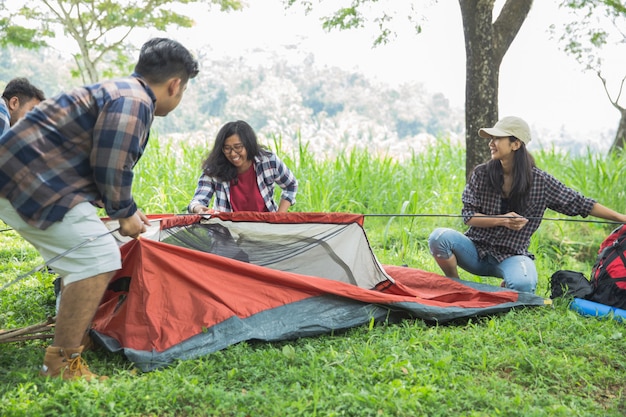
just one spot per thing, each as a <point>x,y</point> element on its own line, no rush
<point>537,81</point>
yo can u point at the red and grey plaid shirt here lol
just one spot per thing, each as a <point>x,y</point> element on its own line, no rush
<point>501,242</point>
<point>78,146</point>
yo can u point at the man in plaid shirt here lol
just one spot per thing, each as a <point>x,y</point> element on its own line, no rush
<point>77,151</point>
<point>503,203</point>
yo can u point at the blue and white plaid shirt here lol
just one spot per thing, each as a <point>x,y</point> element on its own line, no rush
<point>5,117</point>
<point>270,170</point>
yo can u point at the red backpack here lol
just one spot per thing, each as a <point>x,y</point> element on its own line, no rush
<point>608,276</point>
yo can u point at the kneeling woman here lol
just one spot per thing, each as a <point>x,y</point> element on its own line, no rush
<point>503,203</point>
<point>241,174</point>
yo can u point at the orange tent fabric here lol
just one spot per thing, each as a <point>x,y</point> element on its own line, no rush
<point>170,302</point>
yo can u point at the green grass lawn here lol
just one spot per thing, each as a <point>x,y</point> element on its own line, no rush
<point>546,361</point>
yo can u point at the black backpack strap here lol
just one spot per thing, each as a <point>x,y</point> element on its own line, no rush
<point>601,266</point>
<point>607,256</point>
<point>611,252</point>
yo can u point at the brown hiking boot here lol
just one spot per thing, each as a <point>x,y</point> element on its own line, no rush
<point>67,364</point>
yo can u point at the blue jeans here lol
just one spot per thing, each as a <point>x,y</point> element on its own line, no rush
<point>518,271</point>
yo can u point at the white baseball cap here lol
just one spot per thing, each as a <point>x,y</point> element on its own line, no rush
<point>508,126</point>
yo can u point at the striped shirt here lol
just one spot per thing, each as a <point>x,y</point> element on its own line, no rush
<point>501,242</point>
<point>5,117</point>
<point>78,146</point>
<point>270,170</point>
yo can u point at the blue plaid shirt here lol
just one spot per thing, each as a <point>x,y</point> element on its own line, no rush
<point>270,170</point>
<point>78,146</point>
<point>501,242</point>
<point>5,117</point>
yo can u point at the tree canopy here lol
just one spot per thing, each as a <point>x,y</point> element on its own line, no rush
<point>99,28</point>
<point>486,42</point>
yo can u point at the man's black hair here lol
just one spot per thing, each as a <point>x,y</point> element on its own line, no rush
<point>161,59</point>
<point>22,88</point>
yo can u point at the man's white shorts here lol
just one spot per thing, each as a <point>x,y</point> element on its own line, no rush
<point>79,225</point>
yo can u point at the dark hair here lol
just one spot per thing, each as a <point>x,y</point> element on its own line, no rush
<point>22,88</point>
<point>161,59</point>
<point>216,164</point>
<point>523,164</point>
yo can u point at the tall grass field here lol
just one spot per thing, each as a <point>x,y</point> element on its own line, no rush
<point>540,361</point>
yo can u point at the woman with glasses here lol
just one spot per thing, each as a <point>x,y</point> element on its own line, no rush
<point>503,203</point>
<point>241,174</point>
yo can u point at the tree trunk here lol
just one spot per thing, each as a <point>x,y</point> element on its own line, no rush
<point>486,43</point>
<point>620,136</point>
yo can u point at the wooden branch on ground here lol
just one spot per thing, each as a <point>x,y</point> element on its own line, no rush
<point>26,337</point>
<point>43,330</point>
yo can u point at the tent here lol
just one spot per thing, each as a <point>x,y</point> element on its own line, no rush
<point>193,284</point>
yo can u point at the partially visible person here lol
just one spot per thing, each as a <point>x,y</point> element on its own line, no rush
<point>74,152</point>
<point>241,175</point>
<point>19,97</point>
<point>503,203</point>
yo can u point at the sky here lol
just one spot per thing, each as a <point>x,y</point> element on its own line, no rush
<point>538,82</point>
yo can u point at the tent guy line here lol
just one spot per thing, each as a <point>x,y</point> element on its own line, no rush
<point>56,258</point>
<point>555,219</point>
<point>59,256</point>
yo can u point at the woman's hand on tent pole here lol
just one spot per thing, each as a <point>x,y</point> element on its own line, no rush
<point>134,225</point>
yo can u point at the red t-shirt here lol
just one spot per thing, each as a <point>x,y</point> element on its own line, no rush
<point>245,194</point>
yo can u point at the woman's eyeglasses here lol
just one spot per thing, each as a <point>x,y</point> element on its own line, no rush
<point>238,147</point>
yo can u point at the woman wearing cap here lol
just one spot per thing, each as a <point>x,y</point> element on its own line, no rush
<point>503,203</point>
